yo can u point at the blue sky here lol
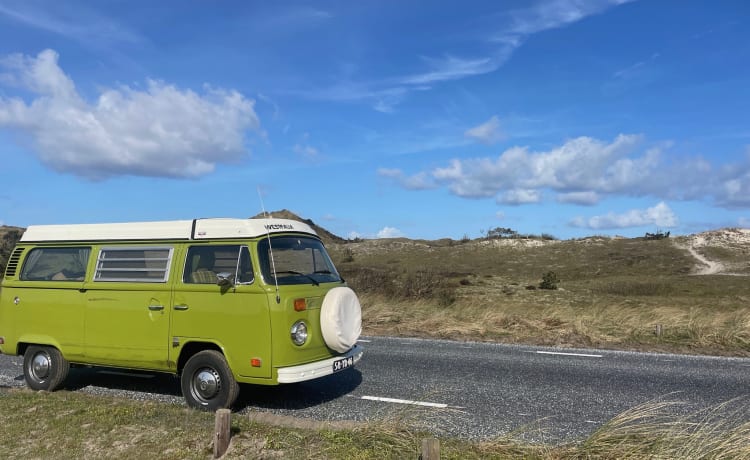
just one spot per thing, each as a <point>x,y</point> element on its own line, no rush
<point>424,119</point>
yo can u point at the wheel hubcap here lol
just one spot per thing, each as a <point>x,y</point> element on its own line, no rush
<point>206,384</point>
<point>40,366</point>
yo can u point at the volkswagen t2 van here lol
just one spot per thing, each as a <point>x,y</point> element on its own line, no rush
<point>216,302</point>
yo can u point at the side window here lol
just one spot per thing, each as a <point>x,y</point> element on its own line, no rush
<point>56,264</point>
<point>134,264</point>
<point>204,263</point>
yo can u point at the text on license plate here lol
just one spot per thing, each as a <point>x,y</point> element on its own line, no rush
<point>341,364</point>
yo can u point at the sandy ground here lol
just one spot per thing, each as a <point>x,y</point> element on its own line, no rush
<point>727,238</point>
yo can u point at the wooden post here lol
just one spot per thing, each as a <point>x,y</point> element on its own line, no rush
<point>659,330</point>
<point>430,449</point>
<point>222,432</point>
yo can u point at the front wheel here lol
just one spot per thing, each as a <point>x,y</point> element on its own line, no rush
<point>44,368</point>
<point>207,382</point>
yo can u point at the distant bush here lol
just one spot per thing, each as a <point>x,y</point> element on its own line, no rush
<point>509,233</point>
<point>348,255</point>
<point>549,281</point>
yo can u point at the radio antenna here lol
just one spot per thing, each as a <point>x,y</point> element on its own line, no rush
<point>270,248</point>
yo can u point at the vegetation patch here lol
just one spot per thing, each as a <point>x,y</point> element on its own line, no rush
<point>633,294</point>
<point>66,425</point>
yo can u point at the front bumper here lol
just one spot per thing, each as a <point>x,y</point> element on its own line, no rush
<point>294,374</point>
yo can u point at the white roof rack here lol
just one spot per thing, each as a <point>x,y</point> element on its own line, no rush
<point>197,229</point>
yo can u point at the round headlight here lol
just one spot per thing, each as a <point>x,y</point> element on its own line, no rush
<point>299,333</point>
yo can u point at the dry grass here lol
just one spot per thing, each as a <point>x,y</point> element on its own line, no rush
<point>74,425</point>
<point>654,431</point>
<point>613,294</point>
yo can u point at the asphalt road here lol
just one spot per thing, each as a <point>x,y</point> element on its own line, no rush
<point>469,390</point>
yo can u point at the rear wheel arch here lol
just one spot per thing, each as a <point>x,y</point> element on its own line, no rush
<point>192,348</point>
<point>44,367</point>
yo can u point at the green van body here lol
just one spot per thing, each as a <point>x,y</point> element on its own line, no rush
<point>131,298</point>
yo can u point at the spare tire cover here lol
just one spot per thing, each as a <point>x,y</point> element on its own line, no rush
<point>341,319</point>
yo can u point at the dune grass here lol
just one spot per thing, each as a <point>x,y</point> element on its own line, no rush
<point>611,294</point>
<point>75,425</point>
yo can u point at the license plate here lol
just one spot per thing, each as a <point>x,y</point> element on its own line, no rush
<point>341,364</point>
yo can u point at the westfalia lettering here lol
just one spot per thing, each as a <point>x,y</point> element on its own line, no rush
<point>279,227</point>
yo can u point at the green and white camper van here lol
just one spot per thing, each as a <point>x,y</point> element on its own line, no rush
<point>215,301</point>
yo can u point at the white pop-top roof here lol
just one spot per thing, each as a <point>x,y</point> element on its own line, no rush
<point>198,229</point>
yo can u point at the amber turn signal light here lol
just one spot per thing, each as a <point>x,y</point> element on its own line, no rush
<point>300,305</point>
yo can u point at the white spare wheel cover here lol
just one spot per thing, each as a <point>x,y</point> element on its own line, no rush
<point>341,319</point>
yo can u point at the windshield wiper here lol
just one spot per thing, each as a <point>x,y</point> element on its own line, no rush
<point>329,272</point>
<point>293,272</point>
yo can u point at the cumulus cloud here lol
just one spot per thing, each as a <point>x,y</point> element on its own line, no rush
<point>579,164</point>
<point>660,215</point>
<point>585,171</point>
<point>736,191</point>
<point>157,131</point>
<point>487,133</point>
<point>389,232</point>
<point>519,197</point>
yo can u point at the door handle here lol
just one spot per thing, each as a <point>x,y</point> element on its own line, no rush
<point>156,307</point>
<point>180,307</point>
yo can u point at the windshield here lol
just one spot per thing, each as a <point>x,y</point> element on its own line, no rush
<point>297,260</point>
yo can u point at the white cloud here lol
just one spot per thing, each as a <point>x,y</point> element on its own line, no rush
<point>519,197</point>
<point>419,181</point>
<point>583,164</point>
<point>487,133</point>
<point>389,232</point>
<point>354,235</point>
<point>744,222</point>
<point>551,14</point>
<point>498,41</point>
<point>585,171</point>
<point>583,198</point>
<point>451,68</point>
<point>75,22</point>
<point>159,131</point>
<point>736,191</point>
<point>660,215</point>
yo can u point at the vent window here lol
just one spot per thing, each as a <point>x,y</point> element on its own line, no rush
<point>134,264</point>
<point>12,267</point>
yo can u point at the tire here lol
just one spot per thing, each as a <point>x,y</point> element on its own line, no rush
<point>341,319</point>
<point>44,368</point>
<point>207,382</point>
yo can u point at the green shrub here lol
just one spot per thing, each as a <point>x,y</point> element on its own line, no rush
<point>549,281</point>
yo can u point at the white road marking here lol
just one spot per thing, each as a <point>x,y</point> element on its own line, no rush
<point>364,341</point>
<point>405,401</point>
<point>568,354</point>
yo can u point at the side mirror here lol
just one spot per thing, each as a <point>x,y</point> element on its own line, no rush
<point>224,279</point>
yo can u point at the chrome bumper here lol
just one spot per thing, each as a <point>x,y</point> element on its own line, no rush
<point>294,374</point>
